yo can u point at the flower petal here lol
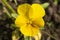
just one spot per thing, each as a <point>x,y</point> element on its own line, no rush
<point>36,11</point>
<point>38,37</point>
<point>21,20</point>
<point>23,9</point>
<point>29,30</point>
<point>39,22</point>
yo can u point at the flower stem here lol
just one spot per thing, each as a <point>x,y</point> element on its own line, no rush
<point>6,11</point>
<point>10,8</point>
<point>7,5</point>
<point>16,2</point>
<point>27,38</point>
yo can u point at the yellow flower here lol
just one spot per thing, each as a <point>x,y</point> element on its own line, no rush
<point>30,18</point>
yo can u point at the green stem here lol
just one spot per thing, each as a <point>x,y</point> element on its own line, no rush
<point>28,38</point>
<point>15,2</point>
<point>6,3</point>
<point>8,6</point>
<point>6,11</point>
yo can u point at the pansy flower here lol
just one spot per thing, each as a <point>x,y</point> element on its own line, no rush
<point>30,18</point>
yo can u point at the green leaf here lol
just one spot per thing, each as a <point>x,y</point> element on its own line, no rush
<point>45,5</point>
<point>14,15</point>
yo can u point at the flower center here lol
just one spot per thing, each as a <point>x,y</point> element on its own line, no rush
<point>30,22</point>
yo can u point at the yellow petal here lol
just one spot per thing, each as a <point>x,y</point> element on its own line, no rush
<point>21,20</point>
<point>29,30</point>
<point>38,37</point>
<point>39,22</point>
<point>23,8</point>
<point>36,11</point>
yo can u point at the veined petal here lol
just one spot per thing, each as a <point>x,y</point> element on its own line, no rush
<point>21,20</point>
<point>36,11</point>
<point>23,9</point>
<point>39,22</point>
<point>29,30</point>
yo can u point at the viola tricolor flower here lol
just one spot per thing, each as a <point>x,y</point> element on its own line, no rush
<point>30,18</point>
